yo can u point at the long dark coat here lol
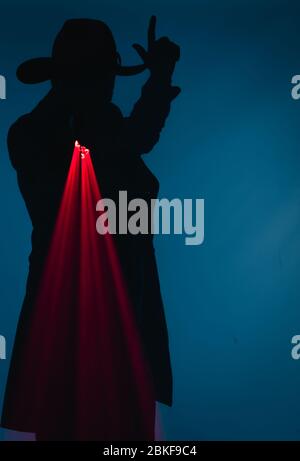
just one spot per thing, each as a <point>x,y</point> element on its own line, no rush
<point>40,147</point>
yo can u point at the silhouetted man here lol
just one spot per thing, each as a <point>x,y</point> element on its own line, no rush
<point>82,71</point>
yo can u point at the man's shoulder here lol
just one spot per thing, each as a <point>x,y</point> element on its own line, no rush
<point>20,124</point>
<point>18,136</point>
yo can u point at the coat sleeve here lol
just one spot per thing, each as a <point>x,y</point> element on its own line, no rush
<point>141,130</point>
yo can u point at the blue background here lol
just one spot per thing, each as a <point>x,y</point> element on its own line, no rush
<point>232,138</point>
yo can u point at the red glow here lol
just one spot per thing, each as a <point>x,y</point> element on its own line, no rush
<point>84,341</point>
<point>83,150</point>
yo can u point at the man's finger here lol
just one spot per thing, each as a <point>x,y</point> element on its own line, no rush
<point>151,31</point>
<point>141,51</point>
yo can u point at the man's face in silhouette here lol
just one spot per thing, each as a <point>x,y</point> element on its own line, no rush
<point>85,85</point>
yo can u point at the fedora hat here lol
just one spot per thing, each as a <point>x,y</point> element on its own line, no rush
<point>80,42</point>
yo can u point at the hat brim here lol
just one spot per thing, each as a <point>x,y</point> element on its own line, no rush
<point>40,70</point>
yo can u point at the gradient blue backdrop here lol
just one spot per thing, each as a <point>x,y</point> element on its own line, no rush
<point>232,138</point>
